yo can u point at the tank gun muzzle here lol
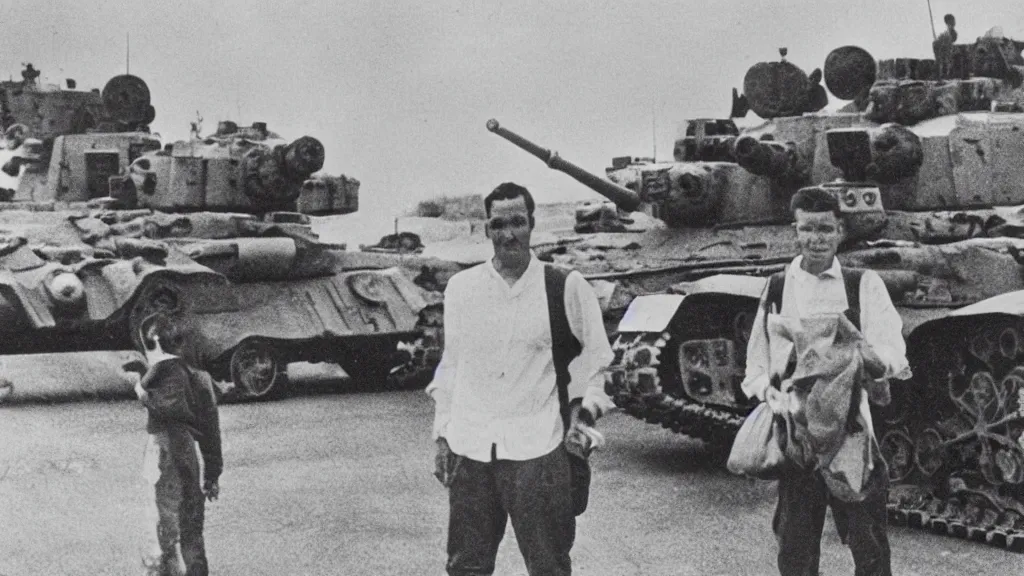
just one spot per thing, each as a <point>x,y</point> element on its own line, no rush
<point>776,160</point>
<point>304,156</point>
<point>624,198</point>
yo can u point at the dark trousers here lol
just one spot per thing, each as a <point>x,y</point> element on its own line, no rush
<point>176,507</point>
<point>800,517</point>
<point>534,493</point>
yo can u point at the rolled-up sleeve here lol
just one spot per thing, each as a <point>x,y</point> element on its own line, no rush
<point>587,324</point>
<point>883,327</point>
<point>758,372</point>
<point>440,388</point>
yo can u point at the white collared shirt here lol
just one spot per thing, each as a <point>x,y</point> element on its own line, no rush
<point>806,294</point>
<point>495,384</point>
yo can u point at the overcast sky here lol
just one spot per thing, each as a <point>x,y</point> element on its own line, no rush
<point>399,91</point>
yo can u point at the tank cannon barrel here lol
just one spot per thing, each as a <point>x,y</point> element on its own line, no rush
<point>624,198</point>
<point>776,160</point>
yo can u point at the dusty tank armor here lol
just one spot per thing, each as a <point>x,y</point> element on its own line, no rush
<point>102,226</point>
<point>928,173</point>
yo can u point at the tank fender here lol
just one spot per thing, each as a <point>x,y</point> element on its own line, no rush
<point>653,312</point>
<point>1006,304</point>
<point>650,313</point>
<point>1011,303</point>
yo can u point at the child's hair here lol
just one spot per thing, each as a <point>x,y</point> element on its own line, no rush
<point>163,328</point>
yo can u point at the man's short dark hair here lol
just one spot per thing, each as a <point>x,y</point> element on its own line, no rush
<point>949,20</point>
<point>814,199</point>
<point>509,191</point>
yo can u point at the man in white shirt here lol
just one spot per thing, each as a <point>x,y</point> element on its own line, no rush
<point>814,284</point>
<point>498,421</point>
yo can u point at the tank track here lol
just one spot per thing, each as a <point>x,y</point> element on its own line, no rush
<point>968,514</point>
<point>634,382</point>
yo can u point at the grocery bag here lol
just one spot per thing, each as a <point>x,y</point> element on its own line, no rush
<point>758,450</point>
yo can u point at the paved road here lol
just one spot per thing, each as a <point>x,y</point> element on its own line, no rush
<point>341,484</point>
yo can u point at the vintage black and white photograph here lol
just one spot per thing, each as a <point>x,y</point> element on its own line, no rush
<point>541,288</point>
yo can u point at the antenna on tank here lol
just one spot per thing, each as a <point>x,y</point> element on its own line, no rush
<point>654,132</point>
<point>127,53</point>
<point>931,19</point>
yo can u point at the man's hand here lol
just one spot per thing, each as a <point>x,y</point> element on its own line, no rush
<point>872,361</point>
<point>211,489</point>
<point>446,463</point>
<point>582,431</point>
<point>582,415</point>
<point>776,400</point>
<point>136,381</point>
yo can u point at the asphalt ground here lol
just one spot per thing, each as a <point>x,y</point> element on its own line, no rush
<point>340,483</point>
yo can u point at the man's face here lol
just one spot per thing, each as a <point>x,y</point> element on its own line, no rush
<point>509,229</point>
<point>818,234</point>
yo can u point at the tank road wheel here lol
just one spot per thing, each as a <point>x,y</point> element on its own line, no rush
<point>967,433</point>
<point>929,452</point>
<point>682,378</point>
<point>898,450</point>
<point>257,369</point>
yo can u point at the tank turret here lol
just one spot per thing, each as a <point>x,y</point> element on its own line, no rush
<point>93,135</point>
<point>682,194</point>
<point>700,194</point>
<point>50,111</point>
<point>235,169</point>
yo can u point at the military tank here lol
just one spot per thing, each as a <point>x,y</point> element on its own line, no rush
<point>105,227</point>
<point>927,172</point>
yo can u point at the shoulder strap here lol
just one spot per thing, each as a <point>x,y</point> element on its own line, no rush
<point>564,345</point>
<point>851,279</point>
<point>776,283</point>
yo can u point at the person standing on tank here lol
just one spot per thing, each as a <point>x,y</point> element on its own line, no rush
<point>499,421</point>
<point>815,283</point>
<point>942,48</point>
<point>182,412</point>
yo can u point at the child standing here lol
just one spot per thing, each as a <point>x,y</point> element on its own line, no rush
<point>182,409</point>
